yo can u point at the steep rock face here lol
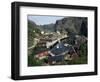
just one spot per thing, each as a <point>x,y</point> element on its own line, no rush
<point>84,29</point>
<point>71,24</point>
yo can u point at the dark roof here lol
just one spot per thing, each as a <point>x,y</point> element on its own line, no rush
<point>61,48</point>
<point>56,58</point>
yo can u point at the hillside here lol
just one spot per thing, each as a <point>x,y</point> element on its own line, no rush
<point>47,27</point>
<point>75,25</point>
<point>71,25</point>
<point>47,43</point>
<point>32,32</point>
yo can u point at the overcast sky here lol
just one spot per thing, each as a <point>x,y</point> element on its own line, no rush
<point>41,20</point>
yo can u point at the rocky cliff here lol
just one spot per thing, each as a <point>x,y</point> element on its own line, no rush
<point>72,25</point>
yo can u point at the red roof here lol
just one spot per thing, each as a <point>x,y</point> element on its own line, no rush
<point>45,53</point>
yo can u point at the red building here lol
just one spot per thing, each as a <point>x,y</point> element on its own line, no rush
<point>42,55</point>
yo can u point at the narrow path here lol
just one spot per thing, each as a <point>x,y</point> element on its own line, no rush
<point>35,43</point>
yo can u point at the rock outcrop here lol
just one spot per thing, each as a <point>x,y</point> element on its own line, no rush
<point>71,25</point>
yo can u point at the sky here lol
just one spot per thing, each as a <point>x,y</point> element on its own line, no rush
<point>41,20</point>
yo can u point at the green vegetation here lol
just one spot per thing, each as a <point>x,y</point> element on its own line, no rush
<point>32,61</point>
<point>71,26</point>
<point>83,30</point>
<point>32,32</point>
<point>38,49</point>
<point>82,59</point>
<point>47,28</point>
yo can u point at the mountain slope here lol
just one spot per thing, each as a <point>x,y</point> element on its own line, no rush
<point>72,25</point>
<point>32,32</point>
<point>47,27</point>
